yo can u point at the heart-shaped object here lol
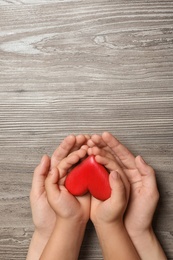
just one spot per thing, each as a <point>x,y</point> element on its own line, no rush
<point>89,176</point>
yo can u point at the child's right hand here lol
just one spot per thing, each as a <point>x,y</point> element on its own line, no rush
<point>111,210</point>
<point>107,216</point>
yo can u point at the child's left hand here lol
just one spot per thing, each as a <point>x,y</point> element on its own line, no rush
<point>72,213</point>
<point>65,205</point>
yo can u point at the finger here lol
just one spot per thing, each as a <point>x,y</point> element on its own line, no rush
<point>118,191</point>
<point>84,147</point>
<point>69,161</point>
<point>39,176</point>
<point>79,152</point>
<point>112,165</point>
<point>87,136</point>
<point>118,160</point>
<point>92,150</point>
<point>90,143</point>
<point>119,150</point>
<point>51,184</point>
<point>98,140</point>
<point>147,173</point>
<point>98,151</point>
<point>134,177</point>
<point>80,140</point>
<point>62,150</point>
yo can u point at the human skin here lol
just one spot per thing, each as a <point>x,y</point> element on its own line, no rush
<point>141,234</point>
<point>107,216</point>
<point>44,218</point>
<point>144,194</point>
<point>72,213</point>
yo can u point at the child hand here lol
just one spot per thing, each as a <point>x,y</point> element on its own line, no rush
<point>112,209</point>
<point>72,213</point>
<point>65,205</point>
<point>70,144</point>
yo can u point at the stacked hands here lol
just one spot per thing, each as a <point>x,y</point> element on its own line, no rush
<point>123,222</point>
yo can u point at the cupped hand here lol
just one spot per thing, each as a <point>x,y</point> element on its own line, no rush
<point>144,194</point>
<point>112,209</point>
<point>64,204</point>
<point>43,216</point>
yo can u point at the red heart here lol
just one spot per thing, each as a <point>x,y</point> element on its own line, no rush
<point>89,176</point>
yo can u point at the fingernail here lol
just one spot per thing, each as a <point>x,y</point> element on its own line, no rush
<point>142,160</point>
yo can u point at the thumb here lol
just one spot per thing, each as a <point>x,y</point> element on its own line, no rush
<point>118,194</point>
<point>51,183</point>
<point>146,171</point>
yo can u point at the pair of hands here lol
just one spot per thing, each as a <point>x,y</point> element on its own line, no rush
<point>113,155</point>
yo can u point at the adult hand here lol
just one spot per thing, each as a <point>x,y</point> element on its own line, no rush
<point>44,217</point>
<point>144,193</point>
<point>143,198</point>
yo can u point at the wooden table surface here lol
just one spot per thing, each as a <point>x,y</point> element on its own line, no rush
<point>73,66</point>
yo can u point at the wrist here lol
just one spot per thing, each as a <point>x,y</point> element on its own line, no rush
<point>143,238</point>
<point>99,221</point>
<point>112,235</point>
<point>43,235</point>
<point>103,225</point>
<point>138,235</point>
<point>147,245</point>
<point>66,239</point>
<point>37,245</point>
<point>71,221</point>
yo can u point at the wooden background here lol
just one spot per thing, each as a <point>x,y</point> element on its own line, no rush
<point>73,66</point>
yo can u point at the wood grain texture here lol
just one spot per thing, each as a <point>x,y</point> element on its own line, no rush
<point>82,67</point>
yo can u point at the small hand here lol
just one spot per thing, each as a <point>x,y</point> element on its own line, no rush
<point>113,208</point>
<point>70,143</point>
<point>65,205</point>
